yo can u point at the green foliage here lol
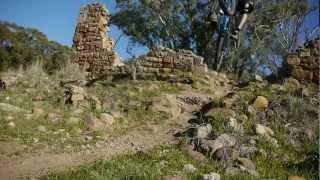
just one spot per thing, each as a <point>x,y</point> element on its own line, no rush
<point>20,47</point>
<point>272,30</point>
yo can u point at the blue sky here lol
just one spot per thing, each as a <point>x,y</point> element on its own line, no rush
<point>57,19</point>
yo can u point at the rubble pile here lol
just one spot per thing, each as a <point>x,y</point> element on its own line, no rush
<point>304,64</point>
<point>161,59</point>
<point>93,48</point>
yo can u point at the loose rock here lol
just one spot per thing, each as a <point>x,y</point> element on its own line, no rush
<point>261,103</point>
<point>189,168</point>
<point>211,176</point>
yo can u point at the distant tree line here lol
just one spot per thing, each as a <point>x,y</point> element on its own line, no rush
<point>20,47</point>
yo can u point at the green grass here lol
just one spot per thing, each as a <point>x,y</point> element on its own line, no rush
<point>159,162</point>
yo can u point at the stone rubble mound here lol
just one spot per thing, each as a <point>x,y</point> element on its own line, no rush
<point>161,59</point>
<point>304,64</point>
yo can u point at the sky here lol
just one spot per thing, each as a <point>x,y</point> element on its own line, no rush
<point>58,19</point>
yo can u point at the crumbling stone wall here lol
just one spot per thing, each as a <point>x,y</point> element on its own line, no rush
<point>161,59</point>
<point>93,48</point>
<point>304,64</point>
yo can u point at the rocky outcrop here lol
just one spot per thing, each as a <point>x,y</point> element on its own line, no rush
<point>304,64</point>
<point>93,48</point>
<point>161,59</point>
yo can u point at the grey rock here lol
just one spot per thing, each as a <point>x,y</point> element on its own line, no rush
<point>211,176</point>
<point>189,168</point>
<point>248,166</point>
<point>202,131</point>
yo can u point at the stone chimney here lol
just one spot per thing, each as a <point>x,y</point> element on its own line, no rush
<point>93,48</point>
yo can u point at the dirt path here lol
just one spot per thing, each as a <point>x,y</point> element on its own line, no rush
<point>40,164</point>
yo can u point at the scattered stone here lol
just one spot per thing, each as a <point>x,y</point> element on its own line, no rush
<point>233,123</point>
<point>202,131</point>
<point>189,168</point>
<point>211,146</point>
<point>248,166</point>
<point>94,123</point>
<point>263,131</point>
<point>35,140</point>
<point>11,108</point>
<point>258,78</point>
<point>221,154</point>
<point>251,110</point>
<point>261,103</point>
<point>11,124</point>
<point>211,176</point>
<point>188,149</point>
<point>42,129</point>
<point>107,119</point>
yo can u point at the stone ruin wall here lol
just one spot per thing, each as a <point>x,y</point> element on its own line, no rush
<point>93,48</point>
<point>304,64</point>
<point>161,59</point>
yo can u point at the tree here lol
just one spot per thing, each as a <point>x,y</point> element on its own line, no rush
<point>272,31</point>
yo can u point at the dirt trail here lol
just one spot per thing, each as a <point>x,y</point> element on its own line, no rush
<point>35,165</point>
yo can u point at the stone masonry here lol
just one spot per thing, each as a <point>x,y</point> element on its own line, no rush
<point>304,64</point>
<point>93,48</point>
<point>161,59</point>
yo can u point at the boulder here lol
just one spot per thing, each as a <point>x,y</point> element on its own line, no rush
<point>261,103</point>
